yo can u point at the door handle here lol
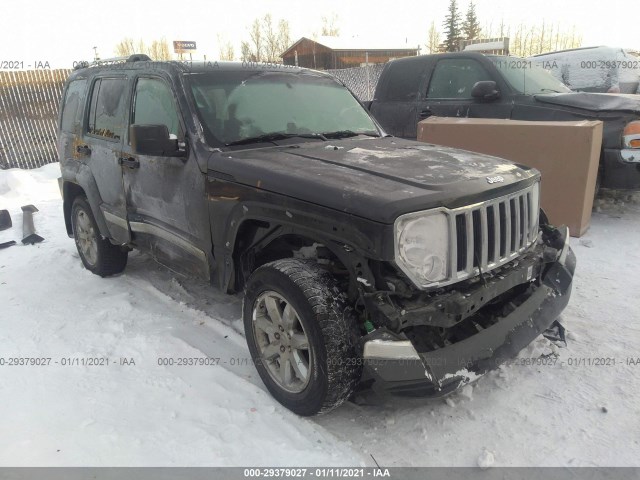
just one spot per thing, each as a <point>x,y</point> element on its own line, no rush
<point>83,150</point>
<point>426,113</point>
<point>129,162</point>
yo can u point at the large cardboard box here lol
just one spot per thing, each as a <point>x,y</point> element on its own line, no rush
<point>566,153</point>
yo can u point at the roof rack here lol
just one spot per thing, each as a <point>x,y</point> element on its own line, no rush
<point>136,57</point>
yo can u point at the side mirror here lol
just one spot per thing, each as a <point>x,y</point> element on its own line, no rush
<point>154,140</point>
<point>485,90</point>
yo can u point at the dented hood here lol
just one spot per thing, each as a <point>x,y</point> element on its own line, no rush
<point>375,178</point>
<point>595,102</point>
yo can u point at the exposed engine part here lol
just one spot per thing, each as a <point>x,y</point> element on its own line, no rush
<point>5,220</point>
<point>29,235</point>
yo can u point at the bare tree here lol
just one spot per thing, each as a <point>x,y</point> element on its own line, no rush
<point>157,50</point>
<point>532,40</point>
<point>225,49</point>
<point>330,26</point>
<point>246,55</point>
<point>257,47</point>
<point>433,40</point>
<point>271,43</point>
<point>284,37</point>
<point>266,42</point>
<point>125,48</point>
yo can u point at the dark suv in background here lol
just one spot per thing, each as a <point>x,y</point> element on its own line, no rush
<point>365,260</point>
<point>467,84</point>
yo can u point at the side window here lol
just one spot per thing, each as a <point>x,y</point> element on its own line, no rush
<point>454,78</point>
<point>154,104</point>
<point>71,111</point>
<point>106,114</point>
<point>403,80</point>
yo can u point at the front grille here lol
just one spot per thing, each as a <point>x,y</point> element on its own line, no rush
<point>489,234</point>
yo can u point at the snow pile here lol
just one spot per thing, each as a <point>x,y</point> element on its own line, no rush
<point>19,187</point>
<point>148,413</point>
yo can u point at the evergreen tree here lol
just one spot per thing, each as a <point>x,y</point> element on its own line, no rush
<point>452,28</point>
<point>470,26</point>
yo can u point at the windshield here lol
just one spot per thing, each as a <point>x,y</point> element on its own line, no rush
<point>527,78</point>
<point>238,106</point>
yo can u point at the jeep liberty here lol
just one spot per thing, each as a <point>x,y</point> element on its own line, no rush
<point>366,261</point>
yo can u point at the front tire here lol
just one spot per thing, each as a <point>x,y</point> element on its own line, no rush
<point>301,335</point>
<point>98,254</point>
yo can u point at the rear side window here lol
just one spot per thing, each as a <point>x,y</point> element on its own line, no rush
<point>403,80</point>
<point>154,105</point>
<point>454,78</point>
<point>106,114</point>
<point>71,111</point>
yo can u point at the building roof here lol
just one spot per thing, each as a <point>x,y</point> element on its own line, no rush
<point>354,43</point>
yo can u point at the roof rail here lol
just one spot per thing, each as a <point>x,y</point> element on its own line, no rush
<point>136,57</point>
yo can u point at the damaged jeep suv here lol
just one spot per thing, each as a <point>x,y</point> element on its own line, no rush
<point>366,261</point>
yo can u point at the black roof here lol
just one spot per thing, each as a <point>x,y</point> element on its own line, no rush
<point>142,62</point>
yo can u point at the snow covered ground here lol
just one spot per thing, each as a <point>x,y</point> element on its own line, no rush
<point>146,414</point>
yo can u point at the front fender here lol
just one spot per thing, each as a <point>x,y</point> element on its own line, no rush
<point>231,206</point>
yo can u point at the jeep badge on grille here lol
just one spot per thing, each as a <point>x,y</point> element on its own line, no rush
<point>496,179</point>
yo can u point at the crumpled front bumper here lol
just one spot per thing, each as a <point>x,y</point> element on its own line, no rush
<point>400,366</point>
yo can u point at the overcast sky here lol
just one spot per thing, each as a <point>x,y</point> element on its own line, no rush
<point>66,30</point>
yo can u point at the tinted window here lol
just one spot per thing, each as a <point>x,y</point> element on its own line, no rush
<point>454,78</point>
<point>154,105</point>
<point>72,105</point>
<point>107,108</point>
<point>403,79</point>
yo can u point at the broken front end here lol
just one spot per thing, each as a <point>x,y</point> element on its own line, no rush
<point>483,282</point>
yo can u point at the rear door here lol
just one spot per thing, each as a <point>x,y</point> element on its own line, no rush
<point>101,145</point>
<point>165,195</point>
<point>448,92</point>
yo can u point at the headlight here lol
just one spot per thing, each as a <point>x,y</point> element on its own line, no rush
<point>422,246</point>
<point>631,135</point>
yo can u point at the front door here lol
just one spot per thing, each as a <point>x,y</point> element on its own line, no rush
<point>101,147</point>
<point>165,195</point>
<point>448,93</point>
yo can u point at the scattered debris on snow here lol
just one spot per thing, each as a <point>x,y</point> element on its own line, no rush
<point>486,459</point>
<point>585,242</point>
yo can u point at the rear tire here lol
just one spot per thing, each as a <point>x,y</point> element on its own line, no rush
<point>98,254</point>
<point>295,299</point>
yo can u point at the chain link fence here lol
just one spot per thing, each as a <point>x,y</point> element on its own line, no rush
<point>361,80</point>
<point>28,114</point>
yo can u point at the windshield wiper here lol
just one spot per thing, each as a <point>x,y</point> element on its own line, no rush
<point>549,90</point>
<point>271,137</point>
<point>348,133</point>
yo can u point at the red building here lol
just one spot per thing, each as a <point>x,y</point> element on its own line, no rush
<point>326,53</point>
